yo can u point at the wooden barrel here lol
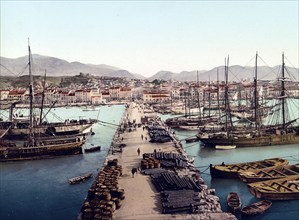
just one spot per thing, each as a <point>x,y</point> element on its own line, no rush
<point>118,203</point>
<point>97,216</point>
<point>87,213</point>
<point>107,196</point>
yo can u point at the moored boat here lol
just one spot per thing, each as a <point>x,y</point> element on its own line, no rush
<point>92,149</point>
<point>278,189</point>
<point>233,202</point>
<point>225,147</point>
<point>41,148</point>
<point>191,139</point>
<point>232,170</point>
<point>256,208</point>
<point>79,179</point>
<point>269,173</point>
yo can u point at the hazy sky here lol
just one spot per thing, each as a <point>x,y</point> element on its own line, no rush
<point>148,36</point>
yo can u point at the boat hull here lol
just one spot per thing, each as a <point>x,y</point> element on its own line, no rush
<point>212,141</point>
<point>269,173</point>
<point>278,189</point>
<point>49,129</point>
<point>40,152</point>
<point>232,171</point>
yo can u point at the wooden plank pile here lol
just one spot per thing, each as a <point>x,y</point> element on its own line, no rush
<point>158,134</point>
<point>180,201</point>
<point>171,181</point>
<point>168,159</point>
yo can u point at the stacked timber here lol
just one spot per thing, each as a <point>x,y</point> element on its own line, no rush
<point>158,134</point>
<point>171,181</point>
<point>168,159</point>
<point>180,201</point>
<point>104,196</point>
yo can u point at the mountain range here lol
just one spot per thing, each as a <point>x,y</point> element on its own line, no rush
<point>58,67</point>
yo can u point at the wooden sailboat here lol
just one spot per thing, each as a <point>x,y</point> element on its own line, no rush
<point>261,135</point>
<point>232,170</point>
<point>269,173</point>
<point>278,189</point>
<point>37,147</point>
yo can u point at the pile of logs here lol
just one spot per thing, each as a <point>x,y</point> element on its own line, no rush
<point>171,181</point>
<point>180,201</point>
<point>168,159</point>
<point>158,134</point>
<point>104,196</point>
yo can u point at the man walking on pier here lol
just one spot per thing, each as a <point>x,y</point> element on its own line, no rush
<point>138,151</point>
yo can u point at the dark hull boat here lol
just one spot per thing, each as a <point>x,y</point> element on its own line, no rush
<point>249,141</point>
<point>42,148</point>
<point>256,208</point>
<point>80,179</point>
<point>269,173</point>
<point>92,149</point>
<point>233,202</point>
<point>278,189</point>
<point>21,129</point>
<point>232,170</point>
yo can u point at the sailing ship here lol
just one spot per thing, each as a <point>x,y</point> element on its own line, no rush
<point>278,189</point>
<point>269,173</point>
<point>260,135</point>
<point>232,170</point>
<point>37,147</point>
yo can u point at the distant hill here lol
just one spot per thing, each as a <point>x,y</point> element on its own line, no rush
<point>54,67</point>
<point>236,73</point>
<point>58,67</point>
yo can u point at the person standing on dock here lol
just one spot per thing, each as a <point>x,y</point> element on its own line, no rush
<point>134,170</point>
<point>141,136</point>
<point>138,151</point>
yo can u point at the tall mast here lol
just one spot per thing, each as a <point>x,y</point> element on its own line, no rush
<point>30,92</point>
<point>256,118</point>
<point>282,94</point>
<point>209,97</point>
<point>218,91</point>
<point>43,98</point>
<point>197,89</point>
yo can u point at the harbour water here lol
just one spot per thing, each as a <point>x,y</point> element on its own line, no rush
<point>39,189</point>
<point>205,156</point>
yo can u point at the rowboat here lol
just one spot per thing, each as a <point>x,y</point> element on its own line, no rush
<point>79,179</point>
<point>269,173</point>
<point>232,170</point>
<point>233,202</point>
<point>225,147</point>
<point>256,208</point>
<point>278,189</point>
<point>92,149</point>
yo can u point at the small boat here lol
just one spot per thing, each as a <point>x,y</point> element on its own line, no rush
<point>225,147</point>
<point>79,179</point>
<point>92,149</point>
<point>191,139</point>
<point>233,202</point>
<point>278,189</point>
<point>269,173</point>
<point>256,208</point>
<point>232,170</point>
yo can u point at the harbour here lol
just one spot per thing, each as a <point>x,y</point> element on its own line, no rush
<point>44,187</point>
